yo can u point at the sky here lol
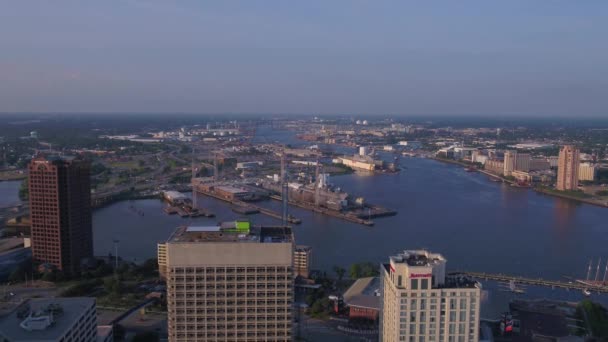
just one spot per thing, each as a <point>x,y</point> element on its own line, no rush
<point>490,58</point>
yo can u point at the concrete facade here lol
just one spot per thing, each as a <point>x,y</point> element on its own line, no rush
<point>225,285</point>
<point>60,211</point>
<point>586,172</point>
<point>421,304</point>
<point>567,168</point>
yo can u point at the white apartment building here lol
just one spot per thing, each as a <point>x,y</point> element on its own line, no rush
<point>232,282</point>
<point>420,303</point>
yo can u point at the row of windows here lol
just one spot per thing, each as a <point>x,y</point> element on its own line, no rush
<point>472,294</point>
<point>213,270</point>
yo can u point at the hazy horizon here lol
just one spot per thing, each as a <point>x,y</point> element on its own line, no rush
<point>470,58</point>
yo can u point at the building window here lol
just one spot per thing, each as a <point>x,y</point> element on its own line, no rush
<point>414,283</point>
<point>424,284</point>
<point>399,281</point>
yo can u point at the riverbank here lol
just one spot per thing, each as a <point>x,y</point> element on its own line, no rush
<point>551,192</point>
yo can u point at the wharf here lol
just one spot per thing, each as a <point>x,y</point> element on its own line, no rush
<point>247,206</point>
<point>186,211</point>
<point>334,213</point>
<point>244,210</point>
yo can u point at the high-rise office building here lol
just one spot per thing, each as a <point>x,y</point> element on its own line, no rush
<point>232,282</point>
<point>567,168</point>
<point>509,162</point>
<point>60,211</point>
<point>420,303</point>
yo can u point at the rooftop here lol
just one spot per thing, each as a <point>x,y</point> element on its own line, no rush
<point>236,231</point>
<point>9,244</point>
<point>418,258</point>
<point>64,312</point>
<point>363,293</point>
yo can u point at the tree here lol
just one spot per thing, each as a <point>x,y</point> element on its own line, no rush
<point>339,272</point>
<point>113,286</point>
<point>355,271</point>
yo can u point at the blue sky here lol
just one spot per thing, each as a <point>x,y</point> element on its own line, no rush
<point>494,58</point>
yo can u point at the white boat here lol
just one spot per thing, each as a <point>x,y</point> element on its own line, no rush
<point>586,292</point>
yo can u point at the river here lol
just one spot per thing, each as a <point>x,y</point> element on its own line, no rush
<point>9,193</point>
<point>478,225</point>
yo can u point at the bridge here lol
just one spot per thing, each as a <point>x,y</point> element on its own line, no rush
<point>570,285</point>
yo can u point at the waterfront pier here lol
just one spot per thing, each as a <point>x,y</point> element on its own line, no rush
<point>568,285</point>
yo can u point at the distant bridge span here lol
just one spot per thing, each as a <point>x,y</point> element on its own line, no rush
<point>574,285</point>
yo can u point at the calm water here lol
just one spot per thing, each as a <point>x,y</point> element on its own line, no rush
<point>9,193</point>
<point>475,223</point>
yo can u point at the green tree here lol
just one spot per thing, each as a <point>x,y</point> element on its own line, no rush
<point>113,286</point>
<point>24,190</point>
<point>355,271</point>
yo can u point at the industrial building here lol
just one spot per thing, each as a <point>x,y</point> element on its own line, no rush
<point>232,282</point>
<point>359,162</point>
<point>60,211</point>
<point>54,319</point>
<point>421,303</point>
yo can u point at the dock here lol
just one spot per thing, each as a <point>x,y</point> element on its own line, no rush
<point>572,285</point>
<point>248,206</point>
<point>244,210</point>
<point>334,213</point>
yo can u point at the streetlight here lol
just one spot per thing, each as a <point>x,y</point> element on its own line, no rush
<point>115,241</point>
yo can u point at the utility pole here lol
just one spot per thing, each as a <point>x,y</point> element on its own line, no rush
<point>115,255</point>
<point>284,189</point>
<point>215,175</point>
<point>194,198</point>
<point>317,184</point>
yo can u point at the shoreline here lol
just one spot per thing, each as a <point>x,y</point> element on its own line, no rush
<point>598,203</point>
<point>591,201</point>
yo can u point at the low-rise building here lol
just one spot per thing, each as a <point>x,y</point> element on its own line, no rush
<point>13,252</point>
<point>494,166</point>
<point>586,172</point>
<point>363,299</point>
<point>53,319</point>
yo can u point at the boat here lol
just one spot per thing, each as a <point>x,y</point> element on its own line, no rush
<point>586,292</point>
<point>470,169</point>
